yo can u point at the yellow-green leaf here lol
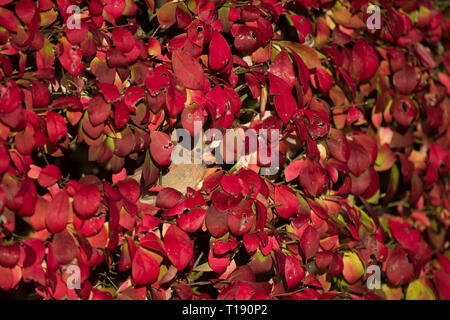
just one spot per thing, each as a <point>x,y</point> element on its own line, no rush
<point>353,267</point>
<point>419,290</point>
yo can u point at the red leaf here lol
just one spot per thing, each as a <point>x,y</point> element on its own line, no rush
<point>445,80</point>
<point>282,68</point>
<point>359,160</point>
<point>166,14</point>
<point>57,214</point>
<point>152,242</point>
<point>40,93</point>
<point>218,264</point>
<point>157,78</point>
<point>8,20</point>
<point>64,248</point>
<point>360,183</point>
<point>237,290</point>
<point>303,71</point>
<point>222,247</point>
<point>95,7</point>
<point>4,162</point>
<point>216,221</point>
<point>426,56</point>
<point>71,58</point>
<point>396,59</point>
<point>25,10</point>
<point>336,266</point>
<point>145,269</point>
<point>77,35</point>
<point>293,169</point>
<point>192,221</point>
<point>175,96</point>
<point>115,7</point>
<point>286,201</point>
<point>293,272</point>
<point>253,84</point>
<point>92,226</point>
<point>364,60</point>
<point>232,100</point>
<point>303,26</point>
<point>98,110</point>
<point>168,198</point>
<point>86,200</point>
<point>444,262</point>
<point>129,189</point>
<point>403,110</point>
<point>109,91</point>
<point>284,100</point>
<point>309,242</point>
<point>123,39</point>
<point>405,80</point>
<point>115,58</point>
<point>416,187</point>
<point>121,114</point>
<point>266,29</point>
<point>442,281</point>
<point>219,52</point>
<point>179,247</point>
<point>133,95</point>
<point>34,250</point>
<point>312,179</point>
<point>338,145</point>
<point>9,255</point>
<point>324,259</point>
<point>161,147</point>
<point>123,146</point>
<point>49,175</point>
<point>251,183</point>
<point>241,218</point>
<point>183,18</point>
<point>90,130</point>
<point>9,277</point>
<point>322,80</point>
<point>247,39</point>
<point>223,200</point>
<point>230,183</point>
<point>405,235</point>
<point>369,144</point>
<point>25,141</point>
<point>56,127</point>
<point>398,269</point>
<point>215,102</point>
<point>150,172</point>
<point>12,96</point>
<point>437,155</point>
<point>251,242</point>
<point>190,115</point>
<point>211,181</point>
<point>188,70</point>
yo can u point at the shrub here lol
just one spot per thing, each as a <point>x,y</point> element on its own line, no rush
<point>91,206</point>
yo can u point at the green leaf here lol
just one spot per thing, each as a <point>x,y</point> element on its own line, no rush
<point>419,290</point>
<point>393,183</point>
<point>309,55</point>
<point>353,267</point>
<point>203,267</point>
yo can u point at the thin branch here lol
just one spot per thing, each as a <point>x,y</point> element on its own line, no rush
<point>349,106</point>
<point>154,32</point>
<point>43,109</point>
<point>205,283</point>
<point>44,156</point>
